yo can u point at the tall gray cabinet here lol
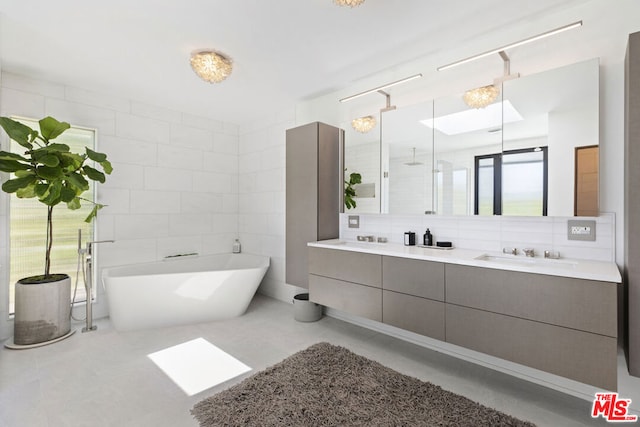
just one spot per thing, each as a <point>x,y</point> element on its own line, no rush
<point>632,199</point>
<point>314,193</point>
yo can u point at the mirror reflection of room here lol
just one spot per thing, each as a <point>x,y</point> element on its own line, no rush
<point>532,151</point>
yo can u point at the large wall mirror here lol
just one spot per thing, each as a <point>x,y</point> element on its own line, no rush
<point>407,160</point>
<point>362,156</point>
<point>533,151</point>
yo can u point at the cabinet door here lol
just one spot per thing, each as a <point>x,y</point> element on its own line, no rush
<point>414,277</point>
<point>420,315</point>
<point>581,356</point>
<point>363,301</point>
<point>574,303</point>
<point>351,266</point>
<point>301,200</point>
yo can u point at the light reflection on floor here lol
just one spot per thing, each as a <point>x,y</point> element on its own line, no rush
<point>197,365</point>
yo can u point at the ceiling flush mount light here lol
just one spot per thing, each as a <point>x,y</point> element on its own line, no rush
<point>350,3</point>
<point>364,124</point>
<point>481,97</point>
<point>211,66</point>
<point>516,44</point>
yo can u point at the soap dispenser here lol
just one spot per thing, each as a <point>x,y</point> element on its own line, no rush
<point>427,239</point>
<point>236,246</point>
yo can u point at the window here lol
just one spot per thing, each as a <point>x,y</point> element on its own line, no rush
<point>27,226</point>
<point>512,183</point>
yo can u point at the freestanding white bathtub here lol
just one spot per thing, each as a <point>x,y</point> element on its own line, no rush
<point>182,290</point>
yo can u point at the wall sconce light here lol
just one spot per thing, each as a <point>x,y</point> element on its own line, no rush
<point>512,45</point>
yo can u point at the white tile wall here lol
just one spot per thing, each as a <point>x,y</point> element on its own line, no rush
<point>174,188</point>
<point>261,187</point>
<point>492,233</point>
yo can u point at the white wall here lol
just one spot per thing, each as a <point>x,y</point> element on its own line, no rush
<point>174,188</point>
<point>262,197</point>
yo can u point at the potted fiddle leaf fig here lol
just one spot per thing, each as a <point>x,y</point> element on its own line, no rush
<point>53,174</point>
<point>349,191</point>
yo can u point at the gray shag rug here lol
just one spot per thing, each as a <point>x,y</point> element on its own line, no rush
<point>327,385</point>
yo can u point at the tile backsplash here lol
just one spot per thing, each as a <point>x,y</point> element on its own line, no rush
<point>491,234</point>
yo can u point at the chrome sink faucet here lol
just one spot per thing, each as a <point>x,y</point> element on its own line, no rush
<point>530,252</point>
<point>510,251</point>
<point>552,254</point>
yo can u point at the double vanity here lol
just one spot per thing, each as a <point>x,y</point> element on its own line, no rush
<point>555,315</point>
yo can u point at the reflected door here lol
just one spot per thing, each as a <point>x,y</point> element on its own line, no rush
<point>586,192</point>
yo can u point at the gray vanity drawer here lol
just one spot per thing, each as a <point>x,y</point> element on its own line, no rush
<point>414,277</point>
<point>353,267</point>
<point>581,356</point>
<point>585,305</point>
<point>363,301</point>
<point>420,315</point>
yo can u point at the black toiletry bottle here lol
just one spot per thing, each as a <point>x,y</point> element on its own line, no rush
<point>427,238</point>
<point>409,238</point>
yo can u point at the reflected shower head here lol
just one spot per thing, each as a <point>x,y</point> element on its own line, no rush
<point>413,162</point>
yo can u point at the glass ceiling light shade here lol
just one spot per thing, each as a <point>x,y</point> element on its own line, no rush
<point>364,124</point>
<point>481,97</point>
<point>211,66</point>
<point>350,3</point>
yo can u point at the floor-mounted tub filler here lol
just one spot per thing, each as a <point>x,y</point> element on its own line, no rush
<point>182,290</point>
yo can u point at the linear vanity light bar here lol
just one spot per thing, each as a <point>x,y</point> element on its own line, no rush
<point>388,85</point>
<point>512,45</point>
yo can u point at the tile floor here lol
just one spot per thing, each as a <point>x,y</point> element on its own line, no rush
<point>104,378</point>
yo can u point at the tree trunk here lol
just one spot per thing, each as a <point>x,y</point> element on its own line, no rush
<point>49,244</point>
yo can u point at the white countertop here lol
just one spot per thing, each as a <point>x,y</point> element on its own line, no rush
<point>564,267</point>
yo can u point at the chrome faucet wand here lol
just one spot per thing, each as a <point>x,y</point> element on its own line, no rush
<point>88,279</point>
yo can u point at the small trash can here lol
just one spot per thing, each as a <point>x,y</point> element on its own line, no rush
<point>305,310</point>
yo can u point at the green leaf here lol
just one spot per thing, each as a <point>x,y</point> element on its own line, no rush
<point>94,212</point>
<point>355,178</point>
<point>22,134</point>
<point>78,181</point>
<point>71,161</point>
<point>5,155</point>
<point>94,174</point>
<point>52,197</point>
<point>50,128</point>
<point>106,165</point>
<point>13,185</point>
<point>67,194</point>
<point>62,148</point>
<point>27,192</point>
<point>49,173</point>
<point>23,173</point>
<point>41,189</point>
<point>50,160</point>
<point>95,156</point>
<point>74,204</point>
<point>12,166</point>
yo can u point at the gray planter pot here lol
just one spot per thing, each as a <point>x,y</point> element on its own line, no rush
<point>42,311</point>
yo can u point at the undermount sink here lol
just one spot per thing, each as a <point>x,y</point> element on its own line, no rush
<point>527,262</point>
